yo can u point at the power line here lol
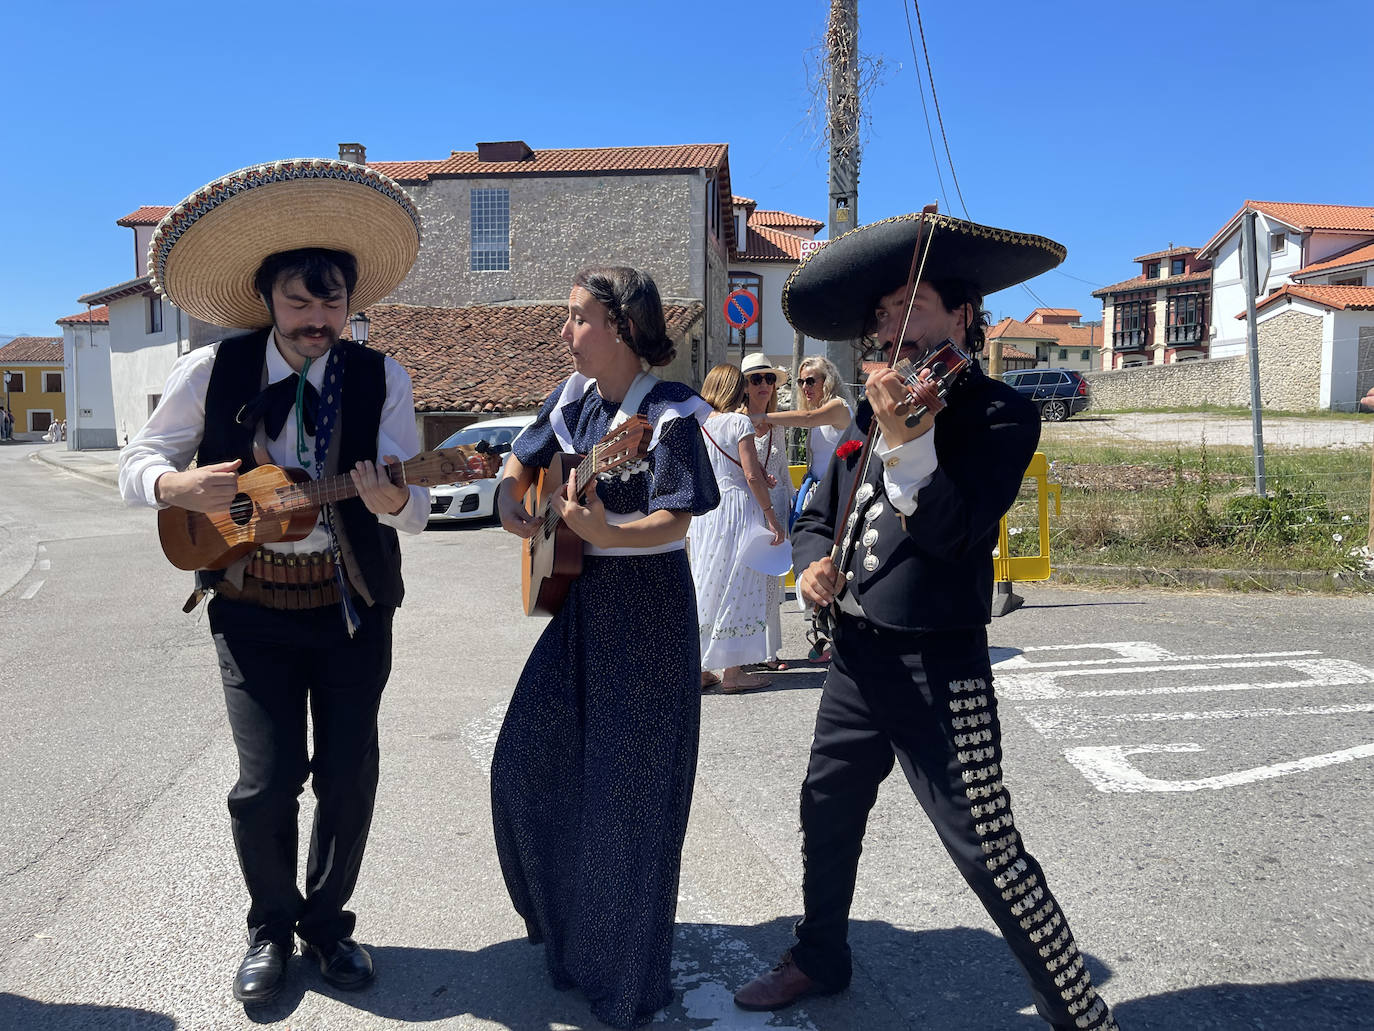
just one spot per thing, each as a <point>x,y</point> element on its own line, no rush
<point>930,134</point>
<point>939,117</point>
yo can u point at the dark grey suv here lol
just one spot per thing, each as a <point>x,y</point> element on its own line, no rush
<point>1058,393</point>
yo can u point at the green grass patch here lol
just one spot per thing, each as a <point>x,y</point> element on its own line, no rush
<point>1194,507</point>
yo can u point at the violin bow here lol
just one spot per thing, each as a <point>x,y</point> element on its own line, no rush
<point>918,263</point>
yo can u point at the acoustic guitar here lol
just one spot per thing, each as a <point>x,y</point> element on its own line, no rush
<point>275,504</point>
<point>552,558</point>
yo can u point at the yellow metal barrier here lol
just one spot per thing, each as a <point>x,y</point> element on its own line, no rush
<point>1006,567</point>
<point>1029,567</point>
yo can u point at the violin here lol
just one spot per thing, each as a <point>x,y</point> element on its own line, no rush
<point>944,366</point>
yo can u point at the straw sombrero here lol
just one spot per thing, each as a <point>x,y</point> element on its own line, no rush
<point>831,294</point>
<point>204,254</point>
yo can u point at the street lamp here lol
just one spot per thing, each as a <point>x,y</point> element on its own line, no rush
<point>358,324</point>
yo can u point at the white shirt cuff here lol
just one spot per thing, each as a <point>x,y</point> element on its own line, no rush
<point>906,469</point>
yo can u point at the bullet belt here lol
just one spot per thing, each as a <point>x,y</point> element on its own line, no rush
<point>286,581</point>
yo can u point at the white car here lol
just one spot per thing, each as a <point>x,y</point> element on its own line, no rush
<point>475,500</point>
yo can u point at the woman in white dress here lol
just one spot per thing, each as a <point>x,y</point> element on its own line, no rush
<point>761,399</point>
<point>732,598</point>
<point>827,412</point>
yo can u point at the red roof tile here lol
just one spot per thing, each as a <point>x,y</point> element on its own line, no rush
<point>1010,327</point>
<point>579,161</point>
<point>743,202</point>
<point>1165,254</point>
<point>99,315</point>
<point>1341,298</point>
<point>486,358</point>
<point>148,215</point>
<point>764,244</point>
<point>783,220</point>
<point>1141,283</point>
<point>1318,216</point>
<point>588,161</point>
<point>1360,254</point>
<point>1305,217</point>
<point>405,171</point>
<point>47,350</point>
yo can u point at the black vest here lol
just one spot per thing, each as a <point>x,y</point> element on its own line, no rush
<point>237,377</point>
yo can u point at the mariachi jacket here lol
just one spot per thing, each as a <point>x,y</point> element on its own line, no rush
<point>931,570</point>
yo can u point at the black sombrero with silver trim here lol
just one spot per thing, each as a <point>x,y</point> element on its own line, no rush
<point>204,254</point>
<point>831,294</point>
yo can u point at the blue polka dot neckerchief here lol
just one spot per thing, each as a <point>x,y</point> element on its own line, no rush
<point>331,392</point>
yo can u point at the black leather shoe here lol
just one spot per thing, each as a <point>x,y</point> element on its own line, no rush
<point>344,964</point>
<point>262,972</point>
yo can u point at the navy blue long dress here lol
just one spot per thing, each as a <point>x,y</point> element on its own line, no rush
<point>592,774</point>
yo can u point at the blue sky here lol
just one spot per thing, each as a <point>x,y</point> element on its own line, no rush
<point>1114,129</point>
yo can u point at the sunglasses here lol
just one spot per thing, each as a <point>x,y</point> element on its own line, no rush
<point>810,381</point>
<point>762,377</point>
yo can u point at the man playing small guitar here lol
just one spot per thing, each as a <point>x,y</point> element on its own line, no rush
<point>592,774</point>
<point>301,627</point>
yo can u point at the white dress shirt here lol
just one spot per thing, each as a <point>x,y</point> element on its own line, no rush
<point>169,440</point>
<point>907,468</point>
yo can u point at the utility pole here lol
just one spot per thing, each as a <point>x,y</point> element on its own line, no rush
<point>842,119</point>
<point>1250,274</point>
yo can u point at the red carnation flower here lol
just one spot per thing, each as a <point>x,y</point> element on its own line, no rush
<point>849,447</point>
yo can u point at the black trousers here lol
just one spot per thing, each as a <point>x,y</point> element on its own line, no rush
<point>927,701</point>
<point>276,667</point>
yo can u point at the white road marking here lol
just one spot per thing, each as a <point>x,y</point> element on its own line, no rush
<point>1077,723</point>
<point>1108,767</point>
<point>1127,651</point>
<point>1044,686</point>
<point>33,589</point>
<point>1018,662</point>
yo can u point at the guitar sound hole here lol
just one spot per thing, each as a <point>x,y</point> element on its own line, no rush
<point>241,509</point>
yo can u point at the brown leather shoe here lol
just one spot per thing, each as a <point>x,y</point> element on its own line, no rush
<point>779,988</point>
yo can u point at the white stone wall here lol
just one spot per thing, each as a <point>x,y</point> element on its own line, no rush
<point>1290,348</point>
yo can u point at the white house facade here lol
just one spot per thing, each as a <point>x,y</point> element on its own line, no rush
<point>90,395</point>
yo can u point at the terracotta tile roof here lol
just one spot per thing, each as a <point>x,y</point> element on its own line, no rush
<point>578,161</point>
<point>582,160</point>
<point>1016,354</point>
<point>1318,216</point>
<point>1141,283</point>
<point>1074,312</point>
<point>1305,217</point>
<point>99,315</point>
<point>1165,254</point>
<point>47,350</point>
<point>486,358</point>
<point>764,244</point>
<point>1010,327</point>
<point>1342,298</point>
<point>405,171</point>
<point>148,215</point>
<point>783,220</point>
<point>744,202</point>
<point>1360,254</point>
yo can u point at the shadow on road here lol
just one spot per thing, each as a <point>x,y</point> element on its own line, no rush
<point>18,1012</point>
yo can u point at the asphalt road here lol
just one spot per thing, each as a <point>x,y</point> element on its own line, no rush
<point>1191,769</point>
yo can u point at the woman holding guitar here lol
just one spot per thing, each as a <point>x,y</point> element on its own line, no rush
<point>592,775</point>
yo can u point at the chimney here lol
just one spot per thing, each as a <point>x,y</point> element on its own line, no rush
<point>355,153</point>
<point>504,150</point>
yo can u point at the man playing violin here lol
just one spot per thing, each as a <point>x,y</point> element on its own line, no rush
<point>914,528</point>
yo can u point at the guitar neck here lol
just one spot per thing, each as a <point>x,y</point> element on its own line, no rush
<point>313,493</point>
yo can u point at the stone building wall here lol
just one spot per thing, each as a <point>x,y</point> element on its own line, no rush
<point>1290,374</point>
<point>557,226</point>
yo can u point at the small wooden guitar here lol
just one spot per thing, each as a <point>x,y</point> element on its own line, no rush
<point>552,558</point>
<point>275,504</point>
